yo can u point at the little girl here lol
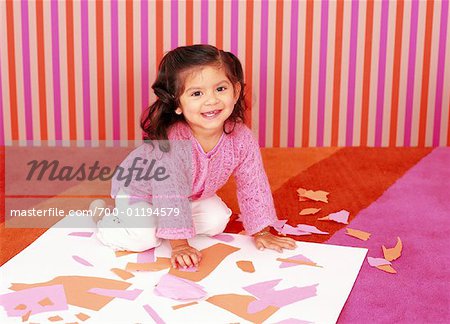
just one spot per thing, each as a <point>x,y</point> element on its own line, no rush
<point>200,98</point>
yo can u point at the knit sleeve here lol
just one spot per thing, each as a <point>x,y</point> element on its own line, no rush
<point>253,189</point>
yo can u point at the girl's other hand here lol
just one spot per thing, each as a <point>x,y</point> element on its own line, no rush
<point>273,242</point>
<point>185,256</point>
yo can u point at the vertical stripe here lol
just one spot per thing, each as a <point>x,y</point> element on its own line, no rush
<point>86,70</point>
<point>204,22</point>
<point>234,26</point>
<point>71,70</point>
<point>56,71</point>
<point>130,70</point>
<point>396,73</point>
<point>12,71</point>
<point>322,72</point>
<point>278,65</point>
<point>189,22</point>
<point>307,75</point>
<point>2,129</point>
<point>41,69</point>
<point>425,73</point>
<point>144,54</point>
<point>159,32</point>
<point>248,61</point>
<point>440,73</point>
<point>174,24</point>
<point>337,73</point>
<point>219,24</point>
<point>115,70</point>
<point>263,72</point>
<point>26,71</point>
<point>100,71</point>
<point>292,73</point>
<point>381,71</point>
<point>411,72</point>
<point>352,73</point>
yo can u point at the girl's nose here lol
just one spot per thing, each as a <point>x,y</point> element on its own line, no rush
<point>211,100</point>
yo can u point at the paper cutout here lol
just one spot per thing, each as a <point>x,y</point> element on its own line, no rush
<point>211,258</point>
<point>76,291</point>
<point>26,316</point>
<point>298,259</point>
<point>153,314</point>
<point>358,234</point>
<point>55,318</point>
<point>184,305</point>
<point>223,237</point>
<point>246,266</point>
<point>238,304</point>
<point>386,268</point>
<point>123,253</point>
<point>158,265</point>
<point>81,234</point>
<point>318,195</point>
<point>310,229</point>
<point>339,217</point>
<point>267,296</point>
<point>189,269</point>
<point>124,294</point>
<point>374,262</point>
<point>178,288</point>
<point>82,261</point>
<point>393,253</point>
<point>309,211</point>
<point>278,225</point>
<point>146,256</point>
<point>45,302</point>
<point>82,317</point>
<point>31,298</point>
<point>293,321</point>
<point>289,230</point>
<point>123,274</point>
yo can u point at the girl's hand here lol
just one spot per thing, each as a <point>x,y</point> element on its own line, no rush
<point>185,256</point>
<point>265,239</point>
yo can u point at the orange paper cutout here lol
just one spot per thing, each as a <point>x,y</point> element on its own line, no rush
<point>158,265</point>
<point>20,307</point>
<point>26,316</point>
<point>393,253</point>
<point>123,274</point>
<point>55,318</point>
<point>246,266</point>
<point>358,234</point>
<point>313,264</point>
<point>82,317</point>
<point>123,253</point>
<point>184,305</point>
<point>309,211</point>
<point>386,268</point>
<point>46,302</point>
<point>318,195</point>
<point>238,304</point>
<point>211,258</point>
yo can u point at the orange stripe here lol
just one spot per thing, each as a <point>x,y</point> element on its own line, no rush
<point>307,75</point>
<point>100,71</point>
<point>71,71</point>
<point>159,32</point>
<point>396,73</point>
<point>337,73</point>
<point>448,129</point>
<point>41,69</point>
<point>278,65</point>
<point>130,70</point>
<point>248,60</point>
<point>12,70</point>
<point>366,75</point>
<point>219,24</point>
<point>425,74</point>
<point>189,22</point>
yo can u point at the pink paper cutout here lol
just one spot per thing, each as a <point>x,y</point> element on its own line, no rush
<point>81,234</point>
<point>288,229</point>
<point>267,296</point>
<point>31,298</point>
<point>310,229</point>
<point>153,314</point>
<point>278,225</point>
<point>224,237</point>
<point>82,261</point>
<point>189,269</point>
<point>375,262</point>
<point>292,321</point>
<point>146,256</point>
<point>339,217</point>
<point>298,257</point>
<point>178,288</point>
<point>125,294</point>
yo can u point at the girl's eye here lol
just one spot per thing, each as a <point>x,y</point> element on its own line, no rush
<point>196,94</point>
<point>220,89</point>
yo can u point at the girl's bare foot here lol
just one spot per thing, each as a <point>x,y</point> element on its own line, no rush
<point>95,206</point>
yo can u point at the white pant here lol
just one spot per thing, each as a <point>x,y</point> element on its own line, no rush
<point>210,217</point>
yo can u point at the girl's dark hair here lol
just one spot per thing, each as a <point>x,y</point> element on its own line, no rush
<point>169,84</point>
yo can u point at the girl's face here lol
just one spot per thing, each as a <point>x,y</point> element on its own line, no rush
<point>208,100</point>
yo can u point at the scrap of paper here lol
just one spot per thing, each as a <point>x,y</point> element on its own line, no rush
<point>26,316</point>
<point>55,318</point>
<point>123,253</point>
<point>189,269</point>
<point>358,234</point>
<point>290,230</point>
<point>309,211</point>
<point>298,259</point>
<point>153,314</point>
<point>184,305</point>
<point>158,265</point>
<point>46,302</point>
<point>123,274</point>
<point>279,224</point>
<point>82,317</point>
<point>339,217</point>
<point>224,237</point>
<point>81,234</point>
<point>124,294</point>
<point>386,268</point>
<point>21,307</point>
<point>310,229</point>
<point>381,264</point>
<point>246,266</point>
<point>393,253</point>
<point>318,195</point>
<point>146,256</point>
<point>292,321</point>
<point>178,288</point>
<point>82,261</point>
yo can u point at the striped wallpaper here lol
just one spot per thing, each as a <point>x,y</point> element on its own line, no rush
<point>318,73</point>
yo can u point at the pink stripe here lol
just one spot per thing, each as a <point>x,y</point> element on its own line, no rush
<point>234,26</point>
<point>381,71</point>
<point>263,72</point>
<point>411,72</point>
<point>153,314</point>
<point>115,69</point>
<point>322,72</point>
<point>352,74</point>
<point>56,71</point>
<point>174,23</point>
<point>440,74</point>
<point>204,22</point>
<point>26,71</point>
<point>2,129</point>
<point>292,73</point>
<point>86,73</point>
<point>144,54</point>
